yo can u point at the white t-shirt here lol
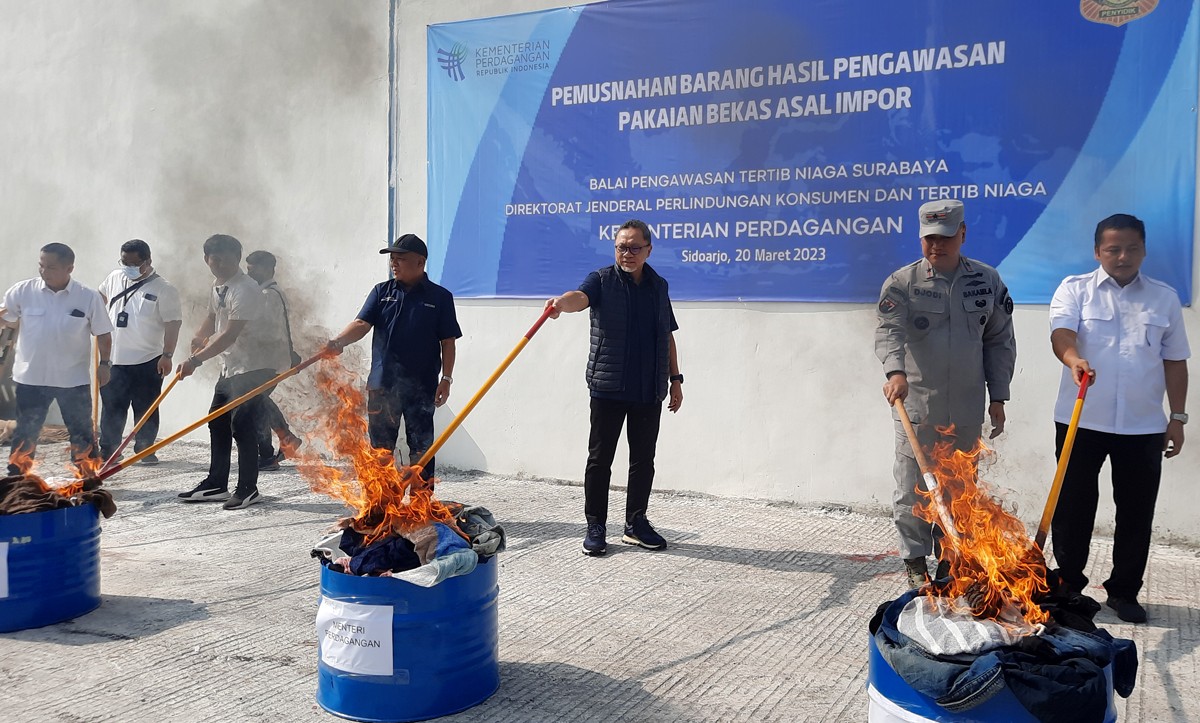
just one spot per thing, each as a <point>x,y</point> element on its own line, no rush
<point>239,298</point>
<point>54,345</point>
<point>149,309</point>
<point>1125,333</point>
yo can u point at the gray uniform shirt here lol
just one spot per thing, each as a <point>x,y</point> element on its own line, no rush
<point>951,334</point>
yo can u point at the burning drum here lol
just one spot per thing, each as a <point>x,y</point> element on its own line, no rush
<point>49,566</point>
<point>394,651</point>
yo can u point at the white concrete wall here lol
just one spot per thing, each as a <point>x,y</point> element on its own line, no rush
<point>170,121</point>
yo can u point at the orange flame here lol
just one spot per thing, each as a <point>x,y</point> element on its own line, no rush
<point>83,467</point>
<point>385,499</point>
<point>996,570</point>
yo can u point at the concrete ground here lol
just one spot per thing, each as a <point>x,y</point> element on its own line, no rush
<point>756,612</point>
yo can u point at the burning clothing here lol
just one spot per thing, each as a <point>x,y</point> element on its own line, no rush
<point>951,335</point>
<point>427,545</point>
<point>21,494</point>
<point>933,623</point>
<point>1057,675</point>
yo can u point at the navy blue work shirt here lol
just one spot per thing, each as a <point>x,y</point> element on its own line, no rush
<point>640,345</point>
<point>407,332</point>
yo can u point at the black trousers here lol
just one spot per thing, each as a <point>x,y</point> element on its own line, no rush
<point>136,385</point>
<point>608,416</point>
<point>239,425</point>
<point>33,403</point>
<point>411,402</point>
<point>1136,461</point>
<point>271,420</point>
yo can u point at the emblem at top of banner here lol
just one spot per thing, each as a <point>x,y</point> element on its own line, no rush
<point>1116,12</point>
<point>452,60</point>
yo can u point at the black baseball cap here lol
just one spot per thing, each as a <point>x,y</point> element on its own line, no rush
<point>409,242</point>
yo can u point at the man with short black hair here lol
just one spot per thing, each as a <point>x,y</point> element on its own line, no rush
<point>235,302</point>
<point>945,338</point>
<point>146,314</point>
<point>273,331</point>
<point>58,316</point>
<point>632,367</point>
<point>412,350</point>
<point>1125,331</point>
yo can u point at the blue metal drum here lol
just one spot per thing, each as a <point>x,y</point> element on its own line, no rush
<point>444,640</point>
<point>893,700</point>
<point>52,564</point>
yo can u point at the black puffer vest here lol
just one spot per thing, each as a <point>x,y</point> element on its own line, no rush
<point>610,330</point>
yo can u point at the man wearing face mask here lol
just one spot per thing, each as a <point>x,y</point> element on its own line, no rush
<point>632,367</point>
<point>146,315</point>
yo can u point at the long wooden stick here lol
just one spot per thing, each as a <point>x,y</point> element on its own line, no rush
<point>1061,471</point>
<point>141,422</point>
<point>105,474</point>
<point>931,482</point>
<point>458,420</point>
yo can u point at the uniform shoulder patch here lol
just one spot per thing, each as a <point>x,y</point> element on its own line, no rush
<point>886,305</point>
<point>1008,304</point>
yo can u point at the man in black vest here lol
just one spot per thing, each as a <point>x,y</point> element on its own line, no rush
<point>631,367</point>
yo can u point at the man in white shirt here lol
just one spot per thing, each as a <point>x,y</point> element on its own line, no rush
<point>1124,330</point>
<point>146,314</point>
<point>273,330</point>
<point>58,317</point>
<point>234,303</point>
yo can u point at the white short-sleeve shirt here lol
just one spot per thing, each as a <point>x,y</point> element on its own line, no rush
<point>239,298</point>
<point>1125,334</point>
<point>54,344</point>
<point>149,309</point>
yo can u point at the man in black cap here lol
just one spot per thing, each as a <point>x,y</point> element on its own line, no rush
<point>412,350</point>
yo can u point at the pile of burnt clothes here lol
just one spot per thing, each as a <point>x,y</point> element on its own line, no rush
<point>425,556</point>
<point>22,494</point>
<point>1056,671</point>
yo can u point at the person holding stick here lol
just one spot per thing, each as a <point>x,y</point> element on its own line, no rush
<point>632,367</point>
<point>146,314</point>
<point>58,317</point>
<point>945,337</point>
<point>1126,331</point>
<point>235,301</point>
<point>412,350</point>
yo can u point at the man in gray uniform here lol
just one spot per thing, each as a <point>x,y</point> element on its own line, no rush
<point>945,333</point>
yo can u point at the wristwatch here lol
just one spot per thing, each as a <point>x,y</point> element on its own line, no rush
<point>194,361</point>
<point>1180,417</point>
<point>447,379</point>
<point>676,378</point>
<point>106,362</point>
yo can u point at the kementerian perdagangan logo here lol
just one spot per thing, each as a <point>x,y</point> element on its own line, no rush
<point>452,60</point>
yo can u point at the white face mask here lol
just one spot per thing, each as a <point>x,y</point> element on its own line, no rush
<point>132,271</point>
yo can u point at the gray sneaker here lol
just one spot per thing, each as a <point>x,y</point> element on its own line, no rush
<point>239,502</point>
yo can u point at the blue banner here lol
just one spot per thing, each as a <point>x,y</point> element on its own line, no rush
<point>779,150</point>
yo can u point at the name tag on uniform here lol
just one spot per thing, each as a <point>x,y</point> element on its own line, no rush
<point>428,305</point>
<point>77,313</point>
<point>151,297</point>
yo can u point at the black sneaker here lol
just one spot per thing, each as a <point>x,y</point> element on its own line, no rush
<point>639,532</point>
<point>206,491</point>
<point>149,460</point>
<point>241,501</point>
<point>270,464</point>
<point>14,470</point>
<point>594,543</point>
<point>1127,609</point>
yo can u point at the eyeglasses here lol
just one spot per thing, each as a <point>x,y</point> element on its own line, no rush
<point>631,250</point>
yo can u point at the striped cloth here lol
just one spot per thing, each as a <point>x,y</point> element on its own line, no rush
<point>936,625</point>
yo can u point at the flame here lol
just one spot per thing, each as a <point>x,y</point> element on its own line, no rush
<point>996,570</point>
<point>83,468</point>
<point>385,499</point>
